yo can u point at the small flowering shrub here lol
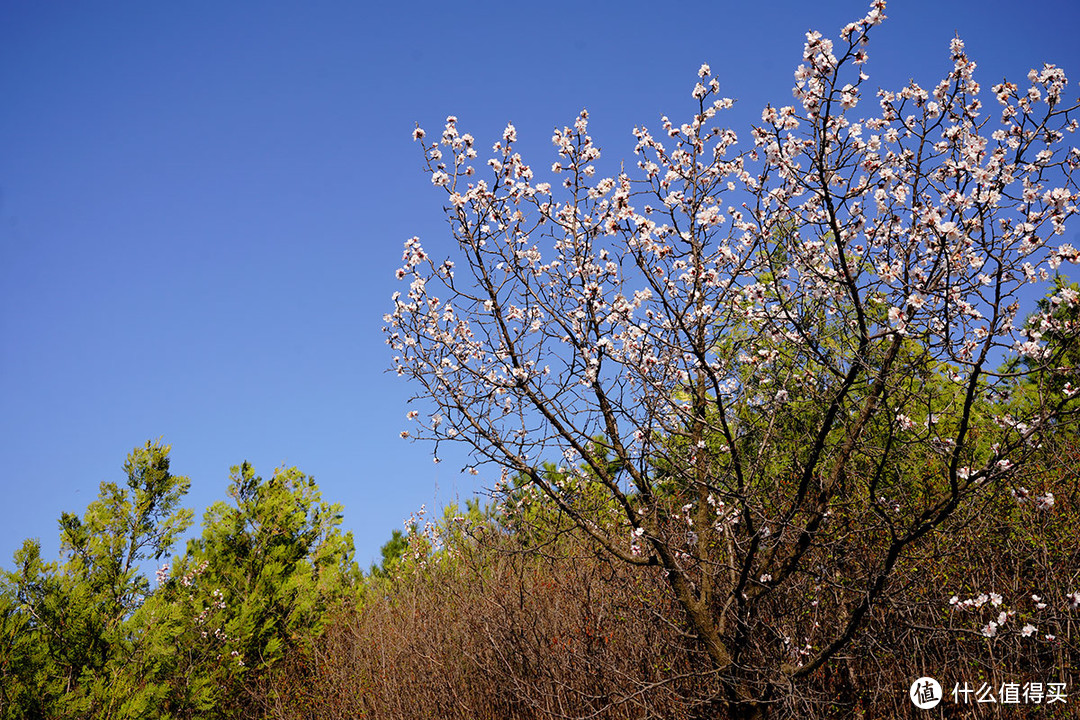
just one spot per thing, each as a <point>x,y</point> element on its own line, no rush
<point>767,359</point>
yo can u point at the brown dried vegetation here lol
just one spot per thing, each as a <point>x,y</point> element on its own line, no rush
<point>493,627</point>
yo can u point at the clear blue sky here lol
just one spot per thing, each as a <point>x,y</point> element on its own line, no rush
<point>202,205</point>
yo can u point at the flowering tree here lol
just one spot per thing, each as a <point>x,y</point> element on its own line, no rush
<point>769,371</point>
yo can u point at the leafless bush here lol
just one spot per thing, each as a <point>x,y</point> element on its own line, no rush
<point>495,628</point>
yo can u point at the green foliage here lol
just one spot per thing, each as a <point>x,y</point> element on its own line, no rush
<point>392,552</point>
<point>87,637</point>
<point>257,582</point>
<point>72,622</point>
<point>1050,382</point>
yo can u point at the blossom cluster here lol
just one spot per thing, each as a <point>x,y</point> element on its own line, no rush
<point>994,601</point>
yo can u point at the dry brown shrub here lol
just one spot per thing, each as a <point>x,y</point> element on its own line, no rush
<point>493,629</point>
<point>498,631</point>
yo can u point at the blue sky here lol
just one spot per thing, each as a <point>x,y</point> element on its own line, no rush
<point>202,205</point>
